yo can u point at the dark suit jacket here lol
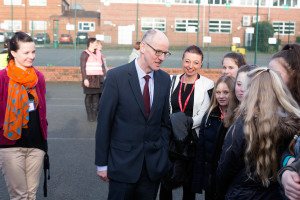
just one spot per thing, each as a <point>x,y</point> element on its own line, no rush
<point>125,138</point>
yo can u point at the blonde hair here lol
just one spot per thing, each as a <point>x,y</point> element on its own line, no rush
<point>229,81</point>
<point>234,102</point>
<point>265,101</point>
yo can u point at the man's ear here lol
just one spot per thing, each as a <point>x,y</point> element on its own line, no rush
<point>142,47</point>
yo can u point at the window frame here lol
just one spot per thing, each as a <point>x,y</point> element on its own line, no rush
<point>284,28</point>
<point>187,24</point>
<point>153,24</point>
<point>38,2</point>
<point>83,26</point>
<point>37,25</point>
<point>219,28</point>
<point>17,25</point>
<point>14,2</point>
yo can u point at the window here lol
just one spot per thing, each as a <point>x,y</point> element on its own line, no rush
<point>86,26</point>
<point>38,25</point>
<point>253,2</point>
<point>246,20</point>
<point>290,3</point>
<point>153,23</point>
<point>220,26</point>
<point>219,2</point>
<point>254,19</point>
<point>187,1</point>
<point>155,1</point>
<point>181,25</point>
<point>13,2</point>
<point>284,28</point>
<point>38,2</point>
<point>17,25</point>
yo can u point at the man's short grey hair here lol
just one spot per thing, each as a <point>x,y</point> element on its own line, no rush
<point>149,35</point>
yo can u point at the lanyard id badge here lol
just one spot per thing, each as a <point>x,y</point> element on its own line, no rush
<point>31,105</point>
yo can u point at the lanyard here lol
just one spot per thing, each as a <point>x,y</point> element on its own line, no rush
<point>188,98</point>
<point>222,114</point>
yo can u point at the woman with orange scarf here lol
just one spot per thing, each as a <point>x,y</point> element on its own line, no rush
<point>23,124</point>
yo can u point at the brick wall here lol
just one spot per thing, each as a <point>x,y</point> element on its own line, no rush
<point>61,74</point>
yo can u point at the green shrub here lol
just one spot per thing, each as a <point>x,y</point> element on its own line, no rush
<point>265,31</point>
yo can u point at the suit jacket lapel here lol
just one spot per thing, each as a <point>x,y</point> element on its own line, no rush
<point>135,87</point>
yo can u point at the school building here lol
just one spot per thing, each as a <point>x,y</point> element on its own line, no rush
<point>123,22</point>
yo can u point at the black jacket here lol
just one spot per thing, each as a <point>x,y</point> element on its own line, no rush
<point>205,150</point>
<point>232,179</point>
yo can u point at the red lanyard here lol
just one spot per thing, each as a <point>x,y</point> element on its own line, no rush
<point>222,114</point>
<point>188,98</point>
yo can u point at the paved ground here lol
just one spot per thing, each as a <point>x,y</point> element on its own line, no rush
<point>71,149</point>
<point>119,56</point>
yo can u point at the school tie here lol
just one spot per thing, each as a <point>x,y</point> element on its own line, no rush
<point>146,95</point>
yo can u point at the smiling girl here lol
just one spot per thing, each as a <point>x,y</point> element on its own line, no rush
<point>207,136</point>
<point>190,95</point>
<point>23,123</point>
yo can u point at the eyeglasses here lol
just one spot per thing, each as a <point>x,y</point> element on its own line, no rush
<point>159,52</point>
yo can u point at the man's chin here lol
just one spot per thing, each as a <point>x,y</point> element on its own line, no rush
<point>156,67</point>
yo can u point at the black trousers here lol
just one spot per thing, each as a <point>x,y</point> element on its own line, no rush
<point>166,194</point>
<point>144,189</point>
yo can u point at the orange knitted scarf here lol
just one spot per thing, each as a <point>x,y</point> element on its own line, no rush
<point>21,82</point>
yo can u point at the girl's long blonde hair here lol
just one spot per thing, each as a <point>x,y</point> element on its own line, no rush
<point>266,100</point>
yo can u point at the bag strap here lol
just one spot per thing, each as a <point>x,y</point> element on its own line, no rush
<point>171,91</point>
<point>46,167</point>
<point>173,82</point>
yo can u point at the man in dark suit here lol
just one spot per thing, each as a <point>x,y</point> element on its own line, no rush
<point>133,129</point>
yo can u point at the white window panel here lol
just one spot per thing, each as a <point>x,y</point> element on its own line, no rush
<point>284,28</point>
<point>17,25</point>
<point>86,26</point>
<point>38,25</point>
<point>220,26</point>
<point>38,2</point>
<point>12,2</point>
<point>254,19</point>
<point>181,25</point>
<point>246,20</point>
<point>153,23</point>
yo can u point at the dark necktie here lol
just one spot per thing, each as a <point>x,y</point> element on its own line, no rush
<point>146,95</point>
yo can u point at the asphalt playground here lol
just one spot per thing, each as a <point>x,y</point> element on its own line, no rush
<point>118,56</point>
<point>71,137</point>
<point>71,141</point>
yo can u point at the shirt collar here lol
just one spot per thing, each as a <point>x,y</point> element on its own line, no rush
<point>140,72</point>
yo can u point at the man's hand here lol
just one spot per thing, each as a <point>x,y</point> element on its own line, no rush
<point>291,183</point>
<point>103,175</point>
<point>86,83</point>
